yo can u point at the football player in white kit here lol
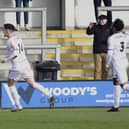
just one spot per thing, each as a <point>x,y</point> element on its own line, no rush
<point>20,67</point>
<point>116,55</point>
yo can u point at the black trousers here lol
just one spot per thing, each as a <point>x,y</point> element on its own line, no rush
<point>97,3</point>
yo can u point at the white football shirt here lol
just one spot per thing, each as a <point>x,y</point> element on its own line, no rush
<point>117,44</point>
<point>116,55</point>
<point>15,47</point>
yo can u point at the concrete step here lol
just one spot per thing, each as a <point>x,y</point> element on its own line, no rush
<point>77,78</point>
<point>77,64</point>
<point>64,40</point>
<point>26,41</point>
<point>25,34</point>
<point>71,56</point>
<point>80,33</point>
<point>76,52</point>
<point>77,72</point>
<point>61,41</point>
<point>52,34</point>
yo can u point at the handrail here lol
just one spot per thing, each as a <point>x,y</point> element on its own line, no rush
<point>22,9</point>
<point>113,8</point>
<point>43,17</point>
<point>45,46</point>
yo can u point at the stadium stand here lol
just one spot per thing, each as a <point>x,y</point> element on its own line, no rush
<point>76,52</point>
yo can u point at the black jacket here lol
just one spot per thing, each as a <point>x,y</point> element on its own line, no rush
<point>101,34</point>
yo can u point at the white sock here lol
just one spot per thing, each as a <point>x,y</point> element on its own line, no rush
<point>15,90</point>
<point>15,96</point>
<point>42,89</point>
<point>117,94</point>
<point>9,94</point>
<point>126,87</point>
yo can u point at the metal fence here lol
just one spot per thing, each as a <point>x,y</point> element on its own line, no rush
<point>43,17</point>
<point>113,8</point>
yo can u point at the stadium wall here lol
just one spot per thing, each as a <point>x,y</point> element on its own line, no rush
<point>66,13</point>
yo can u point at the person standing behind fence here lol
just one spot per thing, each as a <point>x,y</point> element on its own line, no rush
<point>107,3</point>
<point>18,14</point>
<point>101,32</point>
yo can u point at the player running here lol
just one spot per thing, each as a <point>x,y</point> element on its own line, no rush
<point>116,55</point>
<point>20,67</point>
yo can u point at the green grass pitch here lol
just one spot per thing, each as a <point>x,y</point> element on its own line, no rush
<point>66,118</point>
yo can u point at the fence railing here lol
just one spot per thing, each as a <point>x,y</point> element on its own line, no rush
<point>43,20</point>
<point>113,8</point>
<point>46,46</point>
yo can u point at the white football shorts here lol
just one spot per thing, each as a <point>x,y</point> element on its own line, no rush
<point>21,74</point>
<point>120,72</point>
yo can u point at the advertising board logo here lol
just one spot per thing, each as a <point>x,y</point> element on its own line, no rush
<point>26,94</point>
<point>73,91</point>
